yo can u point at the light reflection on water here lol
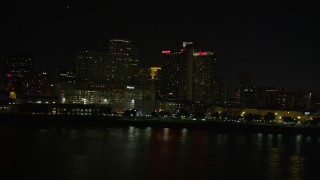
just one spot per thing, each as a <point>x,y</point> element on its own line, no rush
<point>274,163</point>
<point>156,153</point>
<point>296,167</point>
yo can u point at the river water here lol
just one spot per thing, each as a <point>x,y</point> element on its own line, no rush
<point>154,153</point>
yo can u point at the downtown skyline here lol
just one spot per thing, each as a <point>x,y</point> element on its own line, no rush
<point>276,44</point>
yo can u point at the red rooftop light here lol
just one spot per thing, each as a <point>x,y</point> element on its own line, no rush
<point>166,52</point>
<point>202,53</point>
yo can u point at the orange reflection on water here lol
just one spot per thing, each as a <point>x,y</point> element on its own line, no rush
<point>274,163</point>
<point>296,167</point>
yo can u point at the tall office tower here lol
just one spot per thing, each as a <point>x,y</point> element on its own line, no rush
<point>95,67</point>
<point>188,73</point>
<point>201,76</point>
<point>170,74</point>
<point>221,91</point>
<point>126,55</point>
<point>15,71</point>
<point>174,69</point>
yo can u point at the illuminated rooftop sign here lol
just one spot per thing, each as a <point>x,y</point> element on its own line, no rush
<point>166,52</point>
<point>154,72</point>
<point>202,53</point>
<point>155,68</point>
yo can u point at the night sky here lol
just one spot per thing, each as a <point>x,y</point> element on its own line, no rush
<point>278,44</point>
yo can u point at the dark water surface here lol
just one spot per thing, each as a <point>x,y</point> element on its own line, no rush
<point>155,153</point>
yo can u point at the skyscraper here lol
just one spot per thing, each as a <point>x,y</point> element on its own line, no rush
<point>247,91</point>
<point>18,66</point>
<point>188,73</point>
<point>95,67</point>
<point>201,77</point>
<point>110,78</point>
<point>15,71</point>
<point>126,56</point>
<point>170,81</point>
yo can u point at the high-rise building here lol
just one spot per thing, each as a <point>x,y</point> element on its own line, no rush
<point>247,96</point>
<point>246,91</point>
<point>221,91</point>
<point>18,66</point>
<point>201,77</point>
<point>126,56</point>
<point>120,65</point>
<point>15,70</point>
<point>272,98</point>
<point>95,67</point>
<point>170,70</point>
<point>188,73</point>
<point>111,78</point>
<point>36,84</point>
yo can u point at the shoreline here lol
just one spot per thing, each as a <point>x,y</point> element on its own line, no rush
<point>46,121</point>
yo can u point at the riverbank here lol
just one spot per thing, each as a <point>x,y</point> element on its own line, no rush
<point>43,121</point>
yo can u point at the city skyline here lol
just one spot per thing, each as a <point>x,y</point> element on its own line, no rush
<point>276,44</point>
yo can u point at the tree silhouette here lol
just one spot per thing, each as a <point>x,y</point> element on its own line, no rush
<point>270,116</point>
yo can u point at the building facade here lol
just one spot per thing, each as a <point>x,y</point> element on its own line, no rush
<point>170,70</point>
<point>119,97</point>
<point>201,77</point>
<point>95,67</point>
<point>126,56</point>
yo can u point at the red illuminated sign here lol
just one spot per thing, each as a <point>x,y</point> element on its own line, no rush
<point>166,52</point>
<point>201,53</point>
<point>9,75</point>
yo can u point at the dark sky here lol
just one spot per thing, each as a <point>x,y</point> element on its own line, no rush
<point>278,44</point>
